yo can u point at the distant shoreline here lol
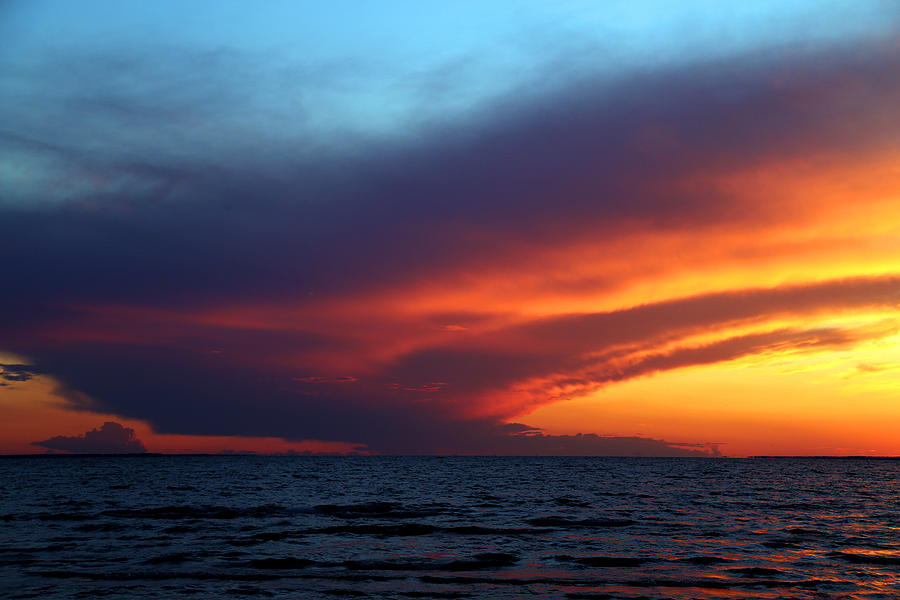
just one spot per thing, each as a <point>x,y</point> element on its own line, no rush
<point>299,455</point>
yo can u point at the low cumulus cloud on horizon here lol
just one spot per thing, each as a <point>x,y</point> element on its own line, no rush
<point>111,438</point>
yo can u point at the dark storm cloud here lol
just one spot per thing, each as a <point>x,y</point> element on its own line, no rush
<point>388,213</point>
<point>579,162</point>
<point>111,438</point>
<point>401,410</point>
<point>180,393</point>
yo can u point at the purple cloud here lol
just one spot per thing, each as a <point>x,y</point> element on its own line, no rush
<point>111,438</point>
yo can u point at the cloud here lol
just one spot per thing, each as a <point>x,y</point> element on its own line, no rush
<point>192,393</point>
<point>540,444</point>
<point>397,408</point>
<point>111,438</point>
<point>619,345</point>
<point>779,341</point>
<point>449,198</point>
<point>18,372</point>
<point>135,292</point>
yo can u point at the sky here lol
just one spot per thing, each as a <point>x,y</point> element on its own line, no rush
<point>603,228</point>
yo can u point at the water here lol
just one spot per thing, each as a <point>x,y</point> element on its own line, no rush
<point>323,527</point>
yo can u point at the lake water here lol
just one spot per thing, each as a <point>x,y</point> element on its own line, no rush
<point>424,527</point>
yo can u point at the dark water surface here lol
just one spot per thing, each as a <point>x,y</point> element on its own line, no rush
<point>316,527</point>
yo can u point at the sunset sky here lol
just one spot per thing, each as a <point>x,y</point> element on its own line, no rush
<point>458,228</point>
